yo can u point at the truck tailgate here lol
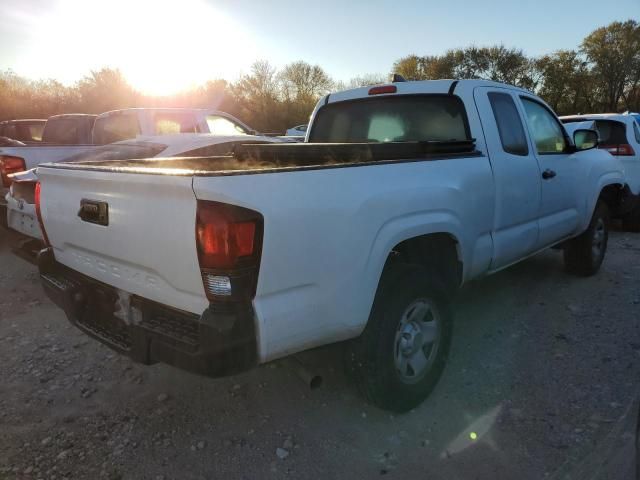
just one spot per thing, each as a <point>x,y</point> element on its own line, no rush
<point>147,246</point>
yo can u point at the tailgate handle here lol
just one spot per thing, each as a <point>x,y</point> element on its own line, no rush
<point>93,211</point>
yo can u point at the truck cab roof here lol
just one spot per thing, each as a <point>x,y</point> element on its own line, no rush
<point>447,86</point>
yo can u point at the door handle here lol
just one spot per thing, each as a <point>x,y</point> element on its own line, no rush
<point>547,174</point>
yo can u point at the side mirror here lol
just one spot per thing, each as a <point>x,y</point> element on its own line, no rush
<point>585,139</point>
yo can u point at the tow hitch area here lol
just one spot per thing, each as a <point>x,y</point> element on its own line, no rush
<point>219,342</point>
<point>27,248</point>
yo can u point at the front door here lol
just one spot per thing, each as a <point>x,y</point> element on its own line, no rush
<point>560,172</point>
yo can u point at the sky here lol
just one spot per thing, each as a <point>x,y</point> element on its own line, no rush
<point>163,46</point>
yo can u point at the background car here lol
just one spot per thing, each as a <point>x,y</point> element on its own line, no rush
<point>28,130</point>
<point>21,213</point>
<point>620,136</point>
<point>299,131</point>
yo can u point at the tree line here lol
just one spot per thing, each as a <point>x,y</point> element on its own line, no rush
<point>602,74</point>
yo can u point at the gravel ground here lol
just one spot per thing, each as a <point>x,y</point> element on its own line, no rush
<point>543,367</point>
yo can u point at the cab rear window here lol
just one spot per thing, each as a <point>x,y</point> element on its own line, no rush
<point>402,118</point>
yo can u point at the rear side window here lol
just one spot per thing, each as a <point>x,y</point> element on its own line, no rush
<point>115,128</point>
<point>636,132</point>
<point>509,123</point>
<point>611,132</point>
<point>402,118</point>
<point>166,123</point>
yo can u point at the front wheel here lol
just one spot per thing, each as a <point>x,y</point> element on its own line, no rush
<point>584,254</point>
<point>399,357</point>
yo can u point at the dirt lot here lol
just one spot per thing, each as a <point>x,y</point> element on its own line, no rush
<point>543,367</point>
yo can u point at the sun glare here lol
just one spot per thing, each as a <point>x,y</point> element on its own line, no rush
<point>161,46</point>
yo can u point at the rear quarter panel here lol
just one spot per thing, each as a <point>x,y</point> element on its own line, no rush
<point>601,169</point>
<point>328,233</point>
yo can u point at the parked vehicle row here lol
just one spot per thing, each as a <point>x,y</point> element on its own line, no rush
<point>400,194</point>
<point>68,135</point>
<point>299,131</point>
<point>21,208</point>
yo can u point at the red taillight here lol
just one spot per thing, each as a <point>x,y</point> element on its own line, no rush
<point>36,196</point>
<point>9,165</point>
<point>229,241</point>
<point>622,149</point>
<point>383,89</point>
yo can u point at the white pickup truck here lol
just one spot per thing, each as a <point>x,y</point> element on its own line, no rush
<point>400,194</point>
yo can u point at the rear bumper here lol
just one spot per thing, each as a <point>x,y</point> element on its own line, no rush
<point>219,342</point>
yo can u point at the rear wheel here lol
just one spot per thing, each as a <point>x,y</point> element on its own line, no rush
<point>399,357</point>
<point>584,254</point>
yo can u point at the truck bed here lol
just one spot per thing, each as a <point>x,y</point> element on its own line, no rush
<point>267,158</point>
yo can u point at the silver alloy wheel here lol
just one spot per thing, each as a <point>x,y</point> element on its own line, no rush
<point>597,242</point>
<point>417,340</point>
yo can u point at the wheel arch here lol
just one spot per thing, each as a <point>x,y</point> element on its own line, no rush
<point>613,195</point>
<point>403,239</point>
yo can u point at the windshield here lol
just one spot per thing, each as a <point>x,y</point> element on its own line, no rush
<point>407,118</point>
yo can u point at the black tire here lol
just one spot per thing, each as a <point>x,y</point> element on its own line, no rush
<point>371,358</point>
<point>584,254</point>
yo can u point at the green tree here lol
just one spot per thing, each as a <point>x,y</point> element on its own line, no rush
<point>256,95</point>
<point>498,63</point>
<point>410,67</point>
<point>566,82</point>
<point>300,87</point>
<point>104,90</point>
<point>614,52</point>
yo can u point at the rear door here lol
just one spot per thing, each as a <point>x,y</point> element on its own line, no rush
<point>516,174</point>
<point>560,172</point>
